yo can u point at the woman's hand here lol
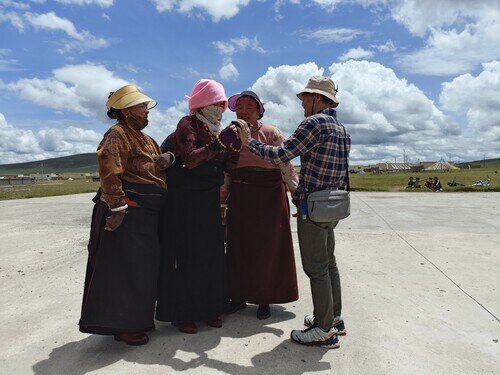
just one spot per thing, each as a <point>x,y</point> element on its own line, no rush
<point>244,132</point>
<point>230,139</point>
<point>114,220</point>
<point>165,160</point>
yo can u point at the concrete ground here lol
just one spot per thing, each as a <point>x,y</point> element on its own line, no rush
<point>420,272</point>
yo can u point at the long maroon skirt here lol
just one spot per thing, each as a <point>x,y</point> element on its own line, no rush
<point>259,241</point>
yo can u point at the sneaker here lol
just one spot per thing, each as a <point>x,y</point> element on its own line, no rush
<point>338,324</point>
<point>340,327</point>
<point>263,312</point>
<point>315,336</point>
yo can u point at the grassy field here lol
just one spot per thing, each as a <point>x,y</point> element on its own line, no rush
<point>398,181</point>
<point>367,182</point>
<point>48,189</point>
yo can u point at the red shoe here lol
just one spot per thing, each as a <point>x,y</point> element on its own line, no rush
<point>216,323</point>
<point>186,327</point>
<point>139,338</point>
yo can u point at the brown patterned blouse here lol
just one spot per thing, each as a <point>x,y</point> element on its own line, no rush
<point>126,154</point>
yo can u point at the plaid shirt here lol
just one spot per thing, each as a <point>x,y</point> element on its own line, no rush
<point>319,141</point>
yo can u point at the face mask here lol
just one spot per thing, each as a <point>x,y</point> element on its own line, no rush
<point>138,123</point>
<point>212,113</point>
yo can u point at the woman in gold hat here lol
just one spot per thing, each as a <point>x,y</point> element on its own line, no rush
<point>124,251</point>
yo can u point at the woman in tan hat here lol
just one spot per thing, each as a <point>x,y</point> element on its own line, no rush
<point>124,252</point>
<point>259,244</point>
<point>193,276</point>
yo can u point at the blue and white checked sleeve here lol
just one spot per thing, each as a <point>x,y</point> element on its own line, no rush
<point>305,137</point>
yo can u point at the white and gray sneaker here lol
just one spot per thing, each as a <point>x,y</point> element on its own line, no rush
<point>315,336</point>
<point>338,324</point>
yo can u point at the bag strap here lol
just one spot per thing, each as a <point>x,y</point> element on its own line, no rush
<point>346,159</point>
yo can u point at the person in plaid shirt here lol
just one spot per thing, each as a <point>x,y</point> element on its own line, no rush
<point>323,145</point>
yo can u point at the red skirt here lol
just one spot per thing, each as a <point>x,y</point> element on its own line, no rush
<point>259,240</point>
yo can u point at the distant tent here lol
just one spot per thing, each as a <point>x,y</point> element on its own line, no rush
<point>441,166</point>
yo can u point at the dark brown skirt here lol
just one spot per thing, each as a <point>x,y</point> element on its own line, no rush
<point>123,265</point>
<point>259,241</point>
<point>193,273</point>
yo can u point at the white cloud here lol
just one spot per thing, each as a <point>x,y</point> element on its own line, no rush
<point>384,113</point>
<point>238,45</point>
<point>83,40</point>
<point>7,64</point>
<point>423,15</point>
<point>331,4</point>
<point>452,52</point>
<point>82,89</point>
<point>70,140</point>
<point>216,9</point>
<point>101,3</point>
<point>460,33</point>
<point>383,108</point>
<point>356,54</point>
<point>477,99</point>
<point>14,4</point>
<point>13,18</point>
<point>162,123</point>
<point>277,89</point>
<point>332,35</point>
<point>50,21</point>
<point>18,145</point>
<point>79,89</point>
<point>228,72</point>
<point>74,88</point>
<point>15,141</point>
<point>80,41</point>
<point>386,47</point>
<point>244,43</point>
<point>327,4</point>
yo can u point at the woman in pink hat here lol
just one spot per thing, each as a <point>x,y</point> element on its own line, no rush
<point>193,275</point>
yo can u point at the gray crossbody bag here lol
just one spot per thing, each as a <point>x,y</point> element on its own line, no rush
<point>330,204</point>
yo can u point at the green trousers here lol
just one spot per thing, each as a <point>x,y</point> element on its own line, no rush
<point>317,246</point>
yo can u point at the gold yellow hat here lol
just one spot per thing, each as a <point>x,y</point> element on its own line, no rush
<point>128,96</point>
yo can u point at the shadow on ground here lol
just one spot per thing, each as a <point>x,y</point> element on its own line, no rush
<point>97,352</point>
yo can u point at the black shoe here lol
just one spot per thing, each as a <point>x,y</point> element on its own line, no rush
<point>235,306</point>
<point>263,312</point>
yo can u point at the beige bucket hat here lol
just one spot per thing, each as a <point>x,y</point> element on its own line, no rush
<point>128,96</point>
<point>320,85</point>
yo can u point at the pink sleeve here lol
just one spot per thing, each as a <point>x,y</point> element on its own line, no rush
<point>288,171</point>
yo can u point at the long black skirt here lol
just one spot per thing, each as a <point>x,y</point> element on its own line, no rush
<point>123,266</point>
<point>193,277</point>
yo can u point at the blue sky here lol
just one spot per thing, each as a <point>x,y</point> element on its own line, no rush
<point>419,76</point>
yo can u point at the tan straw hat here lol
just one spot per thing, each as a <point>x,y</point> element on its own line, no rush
<point>128,96</point>
<point>320,85</point>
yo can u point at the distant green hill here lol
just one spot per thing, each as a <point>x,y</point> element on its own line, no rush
<point>74,163</point>
<point>88,163</point>
<point>488,163</point>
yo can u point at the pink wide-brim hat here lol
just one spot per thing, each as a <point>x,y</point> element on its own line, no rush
<point>206,92</point>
